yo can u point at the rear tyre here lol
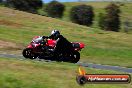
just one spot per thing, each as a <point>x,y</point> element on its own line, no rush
<point>75,57</point>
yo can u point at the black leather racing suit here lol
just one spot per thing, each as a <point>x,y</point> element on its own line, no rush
<point>62,45</point>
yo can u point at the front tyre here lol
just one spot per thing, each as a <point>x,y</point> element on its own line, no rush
<point>75,57</point>
<point>27,53</point>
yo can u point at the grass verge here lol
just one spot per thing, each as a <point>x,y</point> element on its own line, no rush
<point>16,73</point>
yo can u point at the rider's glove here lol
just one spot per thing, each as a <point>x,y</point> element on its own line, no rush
<point>45,37</point>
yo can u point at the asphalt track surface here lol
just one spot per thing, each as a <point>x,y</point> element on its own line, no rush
<point>90,65</point>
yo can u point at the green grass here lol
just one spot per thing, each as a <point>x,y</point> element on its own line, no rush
<point>99,7</point>
<point>16,73</point>
<point>101,46</point>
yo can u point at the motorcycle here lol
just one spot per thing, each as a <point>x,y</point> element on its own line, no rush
<point>43,49</point>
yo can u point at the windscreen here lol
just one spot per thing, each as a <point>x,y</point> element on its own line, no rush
<point>38,40</point>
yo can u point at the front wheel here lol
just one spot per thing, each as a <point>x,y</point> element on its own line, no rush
<point>75,57</point>
<point>27,53</point>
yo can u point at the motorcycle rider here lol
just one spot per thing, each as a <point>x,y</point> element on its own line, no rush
<point>62,44</point>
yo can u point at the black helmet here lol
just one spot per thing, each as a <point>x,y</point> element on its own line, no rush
<point>55,34</point>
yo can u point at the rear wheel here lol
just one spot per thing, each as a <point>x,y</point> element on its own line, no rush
<point>75,57</point>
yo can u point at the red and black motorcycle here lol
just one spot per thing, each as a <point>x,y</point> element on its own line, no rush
<point>43,49</point>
